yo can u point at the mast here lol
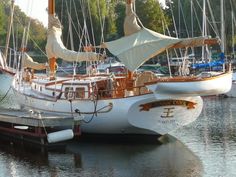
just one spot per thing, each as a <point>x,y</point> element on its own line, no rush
<point>232,13</point>
<point>203,27</point>
<point>222,27</point>
<point>52,61</point>
<point>192,35</point>
<point>51,7</point>
<point>179,17</point>
<point>192,18</point>
<point>9,32</point>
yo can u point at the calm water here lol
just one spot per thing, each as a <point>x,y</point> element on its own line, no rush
<point>205,148</point>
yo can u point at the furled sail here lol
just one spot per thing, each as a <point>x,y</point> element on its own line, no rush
<point>56,49</point>
<point>28,62</point>
<point>130,24</point>
<point>2,63</point>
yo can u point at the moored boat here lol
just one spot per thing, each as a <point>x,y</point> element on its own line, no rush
<point>206,83</point>
<point>115,104</point>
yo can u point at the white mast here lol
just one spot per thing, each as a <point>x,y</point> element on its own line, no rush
<point>203,27</point>
<point>192,17</point>
<point>192,25</point>
<point>9,32</point>
<point>222,27</point>
<point>232,13</point>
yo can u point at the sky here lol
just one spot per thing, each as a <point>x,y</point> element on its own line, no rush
<point>34,8</point>
<point>37,9</point>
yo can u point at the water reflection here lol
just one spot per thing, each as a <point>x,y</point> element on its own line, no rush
<point>213,136</point>
<point>172,158</point>
<point>220,136</point>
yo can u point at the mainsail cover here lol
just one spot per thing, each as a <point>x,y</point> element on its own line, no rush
<point>135,49</point>
<point>2,63</point>
<point>56,49</point>
<point>130,24</point>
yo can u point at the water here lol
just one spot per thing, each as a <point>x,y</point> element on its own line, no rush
<point>213,137</point>
<point>206,148</point>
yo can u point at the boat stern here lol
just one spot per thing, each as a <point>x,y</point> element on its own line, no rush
<point>165,115</point>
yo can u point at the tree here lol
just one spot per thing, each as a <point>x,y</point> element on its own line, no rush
<point>88,18</point>
<point>95,15</point>
<point>37,33</point>
<point>151,15</point>
<point>181,14</point>
<point>3,25</point>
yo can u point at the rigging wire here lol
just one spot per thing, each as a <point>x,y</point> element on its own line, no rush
<point>207,19</point>
<point>195,14</point>
<point>78,28</point>
<point>29,36</point>
<point>176,33</point>
<point>91,22</point>
<point>167,51</point>
<point>185,24</point>
<point>5,94</point>
<point>213,18</point>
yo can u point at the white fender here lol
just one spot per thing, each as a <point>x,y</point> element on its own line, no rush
<point>60,136</point>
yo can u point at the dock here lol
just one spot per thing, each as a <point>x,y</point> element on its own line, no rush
<point>34,127</point>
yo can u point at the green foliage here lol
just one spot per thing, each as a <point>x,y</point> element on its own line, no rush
<point>96,15</point>
<point>151,15</point>
<point>182,16</point>
<point>120,16</point>
<point>37,34</point>
<point>2,24</point>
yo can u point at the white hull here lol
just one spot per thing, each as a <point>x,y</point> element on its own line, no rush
<point>232,92</point>
<point>203,87</point>
<point>125,116</point>
<point>6,94</point>
<point>5,80</point>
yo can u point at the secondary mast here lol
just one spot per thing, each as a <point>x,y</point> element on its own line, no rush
<point>52,61</point>
<point>9,32</point>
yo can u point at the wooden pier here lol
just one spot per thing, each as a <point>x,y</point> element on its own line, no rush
<point>33,127</point>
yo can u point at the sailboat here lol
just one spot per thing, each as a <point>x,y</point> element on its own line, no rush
<point>119,104</point>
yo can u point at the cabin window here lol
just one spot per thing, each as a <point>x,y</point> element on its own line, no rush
<point>80,92</point>
<point>67,91</point>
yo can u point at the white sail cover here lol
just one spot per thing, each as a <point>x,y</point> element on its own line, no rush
<point>130,24</point>
<point>28,62</point>
<point>135,49</point>
<point>2,63</point>
<point>56,49</point>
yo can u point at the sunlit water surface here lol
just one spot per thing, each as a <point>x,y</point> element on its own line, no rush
<point>205,148</point>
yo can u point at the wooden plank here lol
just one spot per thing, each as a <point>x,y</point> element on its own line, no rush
<point>25,118</point>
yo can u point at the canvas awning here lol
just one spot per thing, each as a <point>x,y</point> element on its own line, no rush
<point>135,49</point>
